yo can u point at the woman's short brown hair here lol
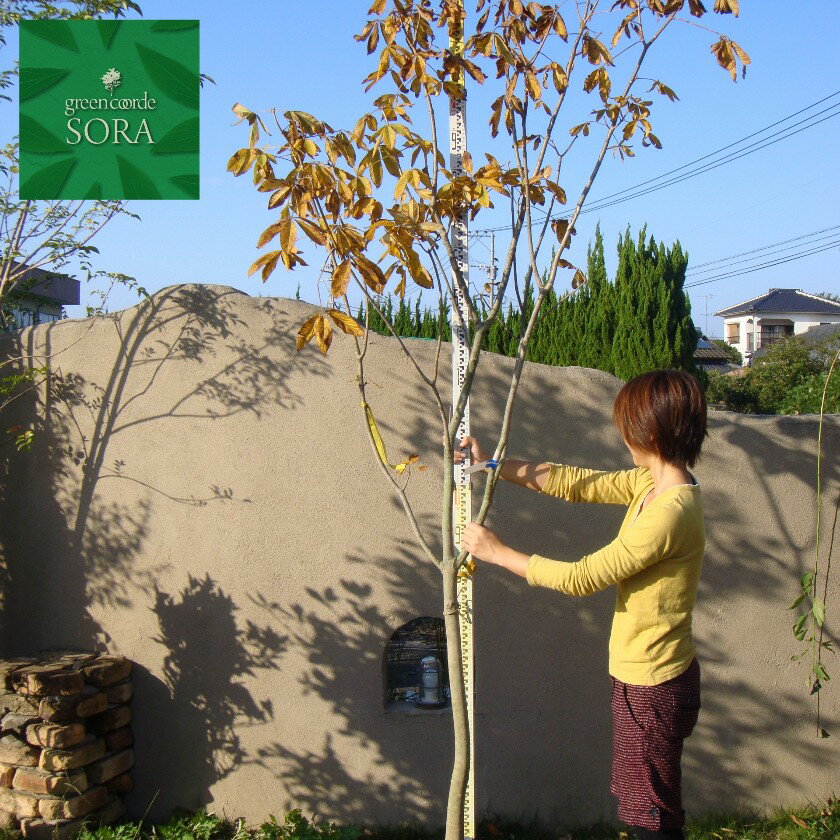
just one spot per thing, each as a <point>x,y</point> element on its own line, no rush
<point>663,413</point>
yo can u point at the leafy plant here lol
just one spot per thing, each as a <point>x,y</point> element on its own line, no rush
<point>816,614</point>
<point>788,379</point>
<point>733,353</point>
<point>297,827</point>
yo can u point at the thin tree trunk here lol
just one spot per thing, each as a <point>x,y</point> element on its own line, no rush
<point>461,764</point>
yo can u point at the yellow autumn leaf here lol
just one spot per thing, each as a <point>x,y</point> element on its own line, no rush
<point>243,113</point>
<point>745,59</point>
<point>288,234</point>
<point>532,86</point>
<point>306,332</point>
<point>268,234</point>
<point>264,260</point>
<point>313,231</point>
<point>557,191</point>
<point>340,279</point>
<point>371,272</point>
<point>323,332</point>
<point>727,7</point>
<point>346,323</point>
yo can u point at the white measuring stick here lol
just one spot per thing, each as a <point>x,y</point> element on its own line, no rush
<point>462,499</point>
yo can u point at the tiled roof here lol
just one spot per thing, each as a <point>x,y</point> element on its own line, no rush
<point>710,353</point>
<point>707,350</point>
<point>783,300</point>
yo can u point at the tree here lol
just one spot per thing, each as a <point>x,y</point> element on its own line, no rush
<point>733,353</point>
<point>47,235</point>
<point>44,235</point>
<point>383,183</point>
<point>653,327</point>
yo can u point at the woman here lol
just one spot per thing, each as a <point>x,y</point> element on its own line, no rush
<point>655,563</point>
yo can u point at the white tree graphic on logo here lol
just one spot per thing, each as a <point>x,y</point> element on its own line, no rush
<point>111,79</point>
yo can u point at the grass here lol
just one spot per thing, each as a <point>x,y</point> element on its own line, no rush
<point>814,822</point>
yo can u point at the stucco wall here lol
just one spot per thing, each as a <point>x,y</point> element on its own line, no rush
<point>230,532</point>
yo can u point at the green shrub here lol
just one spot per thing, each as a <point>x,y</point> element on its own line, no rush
<point>734,393</point>
<point>806,397</point>
<point>733,353</point>
<point>788,379</point>
<point>297,827</point>
<point>784,366</point>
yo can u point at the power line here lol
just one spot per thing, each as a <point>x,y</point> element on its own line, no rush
<point>747,150</point>
<point>783,134</point>
<point>774,253</point>
<point>763,248</point>
<point>735,143</point>
<point>761,266</point>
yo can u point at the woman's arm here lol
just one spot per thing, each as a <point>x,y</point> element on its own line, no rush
<point>575,484</point>
<point>483,544</point>
<point>530,474</point>
<point>647,542</point>
<point>524,473</point>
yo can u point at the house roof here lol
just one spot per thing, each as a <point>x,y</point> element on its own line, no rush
<point>783,300</point>
<point>51,285</point>
<point>709,352</point>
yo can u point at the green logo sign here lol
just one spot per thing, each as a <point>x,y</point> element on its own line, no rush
<point>109,109</point>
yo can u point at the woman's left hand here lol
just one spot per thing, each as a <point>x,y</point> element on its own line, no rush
<point>481,542</point>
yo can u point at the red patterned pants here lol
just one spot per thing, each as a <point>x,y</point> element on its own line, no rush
<point>650,723</point>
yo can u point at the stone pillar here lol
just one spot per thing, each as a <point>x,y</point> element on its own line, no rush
<point>65,742</point>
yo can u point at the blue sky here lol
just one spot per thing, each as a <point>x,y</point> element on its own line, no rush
<point>269,55</point>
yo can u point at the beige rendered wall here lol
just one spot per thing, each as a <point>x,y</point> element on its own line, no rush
<point>230,532</point>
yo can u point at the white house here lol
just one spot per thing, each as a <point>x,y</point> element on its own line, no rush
<point>761,321</point>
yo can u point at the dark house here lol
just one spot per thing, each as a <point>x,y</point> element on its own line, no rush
<point>38,296</point>
<point>710,357</point>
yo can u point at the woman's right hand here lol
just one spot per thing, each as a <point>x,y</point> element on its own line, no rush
<point>476,452</point>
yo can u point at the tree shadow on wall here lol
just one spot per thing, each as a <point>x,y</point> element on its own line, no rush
<point>527,681</point>
<point>94,538</point>
<point>342,631</point>
<point>193,721</point>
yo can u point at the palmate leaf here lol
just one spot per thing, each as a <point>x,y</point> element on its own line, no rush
<point>54,31</point>
<point>135,182</point>
<point>167,25</point>
<point>182,138</point>
<point>187,183</point>
<point>48,181</point>
<point>174,79</point>
<point>107,28</point>
<point>35,80</point>
<point>35,138</point>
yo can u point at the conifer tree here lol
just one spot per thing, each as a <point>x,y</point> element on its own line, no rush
<point>653,327</point>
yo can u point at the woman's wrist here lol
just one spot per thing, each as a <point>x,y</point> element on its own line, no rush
<point>510,559</point>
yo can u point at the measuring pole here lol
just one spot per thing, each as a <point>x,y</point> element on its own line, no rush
<point>462,499</point>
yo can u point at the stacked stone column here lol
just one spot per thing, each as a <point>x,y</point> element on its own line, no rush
<point>65,743</point>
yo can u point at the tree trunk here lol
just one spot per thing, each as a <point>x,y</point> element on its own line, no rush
<point>461,765</point>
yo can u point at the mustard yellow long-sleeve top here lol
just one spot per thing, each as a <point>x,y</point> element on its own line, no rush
<point>655,562</point>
